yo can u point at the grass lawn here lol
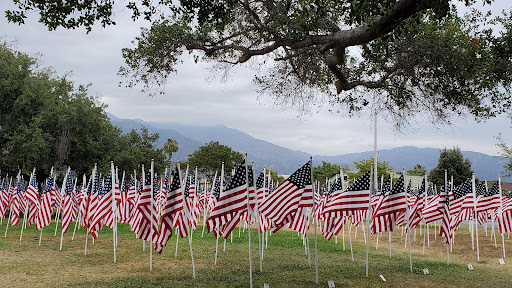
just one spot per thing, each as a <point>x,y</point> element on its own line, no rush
<point>285,264</point>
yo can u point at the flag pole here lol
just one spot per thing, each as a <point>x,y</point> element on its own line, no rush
<point>248,209</point>
<point>253,213</point>
<point>10,211</point>
<point>189,234</point>
<point>424,205</point>
<point>500,212</point>
<point>313,209</point>
<point>114,219</point>
<point>375,181</point>
<point>218,232</point>
<point>26,206</point>
<point>474,217</point>
<point>64,184</point>
<point>92,188</point>
<point>449,233</point>
<point>151,224</point>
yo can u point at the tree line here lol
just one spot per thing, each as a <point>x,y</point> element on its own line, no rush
<point>46,120</point>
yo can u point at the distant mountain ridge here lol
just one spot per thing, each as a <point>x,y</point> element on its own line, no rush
<point>285,161</point>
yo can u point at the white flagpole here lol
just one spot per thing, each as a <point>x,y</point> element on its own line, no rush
<point>151,231</point>
<point>500,212</point>
<point>184,204</point>
<point>26,206</point>
<point>187,214</point>
<point>221,188</point>
<point>375,181</point>
<point>316,244</point>
<point>92,187</point>
<point>424,205</point>
<point>248,209</point>
<point>408,230</point>
<point>63,189</point>
<point>253,213</point>
<point>474,217</point>
<point>114,216</point>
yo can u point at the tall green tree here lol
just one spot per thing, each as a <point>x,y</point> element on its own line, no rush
<point>506,151</point>
<point>45,121</point>
<point>456,165</point>
<point>410,56</point>
<point>326,170</point>
<point>208,158</point>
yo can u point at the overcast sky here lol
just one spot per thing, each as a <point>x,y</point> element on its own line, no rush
<point>193,98</point>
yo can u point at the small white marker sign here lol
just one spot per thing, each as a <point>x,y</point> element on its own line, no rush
<point>382,277</point>
<point>425,271</point>
<point>331,284</point>
<point>502,262</point>
<point>266,285</point>
<point>470,267</point>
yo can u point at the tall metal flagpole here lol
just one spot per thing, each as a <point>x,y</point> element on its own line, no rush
<point>113,191</point>
<point>187,214</point>
<point>313,188</point>
<point>474,217</point>
<point>26,208</point>
<point>248,209</point>
<point>500,212</point>
<point>63,189</point>
<point>448,211</point>
<point>424,205</point>
<point>375,181</point>
<point>256,217</point>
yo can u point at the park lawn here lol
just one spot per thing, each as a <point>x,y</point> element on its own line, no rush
<point>285,264</point>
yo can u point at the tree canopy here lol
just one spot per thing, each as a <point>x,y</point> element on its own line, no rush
<point>208,158</point>
<point>506,151</point>
<point>45,121</point>
<point>326,170</point>
<point>401,56</point>
<point>456,165</point>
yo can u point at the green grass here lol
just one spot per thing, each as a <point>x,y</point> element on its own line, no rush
<point>285,264</point>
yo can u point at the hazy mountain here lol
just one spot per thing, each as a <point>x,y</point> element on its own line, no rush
<point>285,160</point>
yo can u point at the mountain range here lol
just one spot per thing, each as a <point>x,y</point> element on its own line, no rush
<point>286,161</point>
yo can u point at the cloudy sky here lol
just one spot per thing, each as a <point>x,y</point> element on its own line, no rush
<point>194,97</point>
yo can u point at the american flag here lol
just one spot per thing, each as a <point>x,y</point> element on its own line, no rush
<point>468,206</point>
<point>15,204</point>
<point>147,219</point>
<point>253,198</point>
<point>292,197</point>
<point>68,212</point>
<point>431,212</point>
<point>104,207</point>
<point>416,211</point>
<point>32,196</point>
<point>84,203</point>
<point>124,208</point>
<point>93,201</point>
<point>389,207</point>
<point>490,200</point>
<point>352,202</point>
<point>4,197</point>
<point>172,208</point>
<point>215,193</point>
<point>459,197</point>
<point>131,201</point>
<point>262,192</point>
<point>505,221</point>
<point>445,199</point>
<point>232,201</point>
